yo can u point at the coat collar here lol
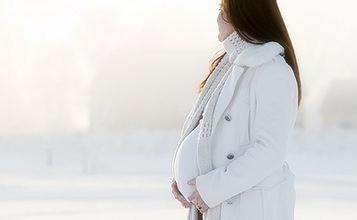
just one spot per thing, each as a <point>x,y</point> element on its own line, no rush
<point>244,53</point>
<point>259,54</point>
<point>248,55</point>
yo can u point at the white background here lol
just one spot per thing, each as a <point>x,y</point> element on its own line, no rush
<point>93,94</point>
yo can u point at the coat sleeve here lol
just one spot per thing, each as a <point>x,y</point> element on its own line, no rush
<point>276,107</point>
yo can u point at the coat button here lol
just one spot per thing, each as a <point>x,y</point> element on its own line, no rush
<point>230,156</point>
<point>229,202</point>
<point>227,117</point>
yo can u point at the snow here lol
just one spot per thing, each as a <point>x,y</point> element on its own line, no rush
<point>127,175</point>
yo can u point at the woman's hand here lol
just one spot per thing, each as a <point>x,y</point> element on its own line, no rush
<point>196,199</point>
<point>177,194</point>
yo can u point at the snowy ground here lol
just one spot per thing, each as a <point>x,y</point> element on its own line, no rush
<point>127,176</point>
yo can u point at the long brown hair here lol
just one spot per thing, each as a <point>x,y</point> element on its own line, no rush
<point>257,22</point>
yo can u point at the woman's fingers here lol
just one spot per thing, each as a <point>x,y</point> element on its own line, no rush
<point>202,209</point>
<point>175,188</point>
<point>192,196</point>
<point>178,195</point>
<point>183,201</point>
<point>192,182</point>
<point>196,199</point>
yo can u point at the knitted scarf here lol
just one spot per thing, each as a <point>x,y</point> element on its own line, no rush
<point>203,109</point>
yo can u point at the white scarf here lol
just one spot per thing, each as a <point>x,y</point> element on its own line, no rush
<point>204,106</point>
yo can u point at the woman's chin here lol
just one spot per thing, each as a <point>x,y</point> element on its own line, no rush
<point>219,38</point>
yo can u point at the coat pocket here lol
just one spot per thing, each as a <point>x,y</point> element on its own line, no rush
<point>272,199</point>
<point>260,203</point>
<point>231,207</point>
<point>251,205</point>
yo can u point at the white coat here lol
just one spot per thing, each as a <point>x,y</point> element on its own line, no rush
<point>251,179</point>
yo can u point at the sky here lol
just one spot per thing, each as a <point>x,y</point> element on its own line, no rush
<point>75,66</point>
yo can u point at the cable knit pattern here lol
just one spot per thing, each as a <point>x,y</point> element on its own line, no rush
<point>234,44</point>
<point>203,109</point>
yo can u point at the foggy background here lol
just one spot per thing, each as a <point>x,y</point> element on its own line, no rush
<point>93,94</point>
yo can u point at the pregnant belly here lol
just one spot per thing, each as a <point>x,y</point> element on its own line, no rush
<point>185,167</point>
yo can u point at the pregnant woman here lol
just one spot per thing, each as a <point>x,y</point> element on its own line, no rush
<point>230,161</point>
